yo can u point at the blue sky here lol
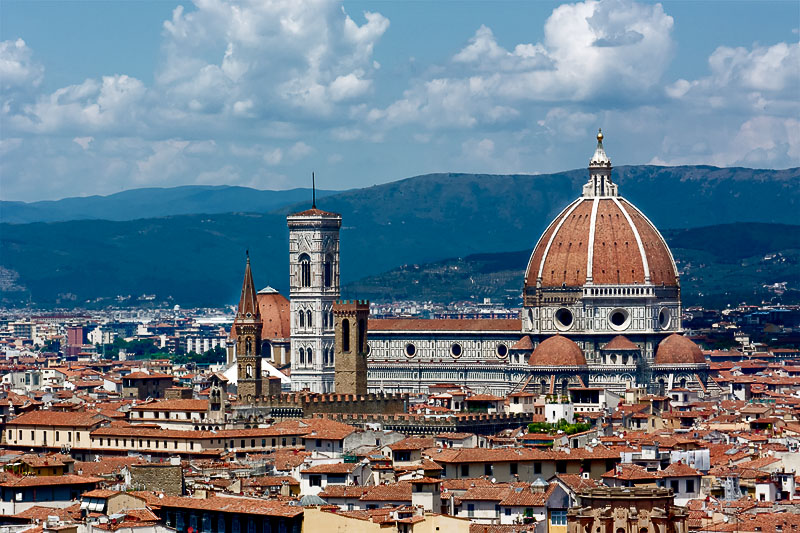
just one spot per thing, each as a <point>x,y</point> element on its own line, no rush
<point>99,97</point>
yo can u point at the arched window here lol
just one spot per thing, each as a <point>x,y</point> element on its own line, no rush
<point>301,317</point>
<point>305,270</point>
<point>308,319</point>
<point>310,358</point>
<point>302,356</point>
<point>324,319</point>
<point>345,335</point>
<point>324,357</point>
<point>249,373</point>
<point>327,271</point>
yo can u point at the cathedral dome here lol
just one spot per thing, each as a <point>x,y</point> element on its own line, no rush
<point>274,310</point>
<point>601,239</point>
<point>678,350</point>
<point>557,351</point>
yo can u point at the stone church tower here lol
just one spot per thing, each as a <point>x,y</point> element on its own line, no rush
<point>350,318</point>
<point>247,327</point>
<point>313,288</point>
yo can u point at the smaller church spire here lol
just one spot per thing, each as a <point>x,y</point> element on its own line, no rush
<point>313,191</point>
<point>247,301</point>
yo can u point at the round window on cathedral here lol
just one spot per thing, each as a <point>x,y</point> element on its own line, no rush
<point>501,350</point>
<point>619,319</point>
<point>411,350</point>
<point>664,318</point>
<point>564,319</point>
<point>455,350</point>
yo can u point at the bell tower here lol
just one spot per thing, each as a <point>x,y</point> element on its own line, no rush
<point>350,318</point>
<point>313,288</point>
<point>247,327</point>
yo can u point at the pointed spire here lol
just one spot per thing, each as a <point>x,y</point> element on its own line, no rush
<point>313,192</point>
<point>247,301</point>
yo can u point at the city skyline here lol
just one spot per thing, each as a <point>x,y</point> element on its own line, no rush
<point>102,99</point>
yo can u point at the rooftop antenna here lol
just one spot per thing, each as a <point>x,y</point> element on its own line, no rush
<point>313,192</point>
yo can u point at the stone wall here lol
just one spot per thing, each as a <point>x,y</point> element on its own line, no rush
<point>159,477</point>
<point>178,393</point>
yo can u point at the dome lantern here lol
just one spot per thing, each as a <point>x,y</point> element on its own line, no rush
<point>600,183</point>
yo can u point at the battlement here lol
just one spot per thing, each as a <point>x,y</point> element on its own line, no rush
<point>303,405</point>
<point>416,424</point>
<point>350,307</point>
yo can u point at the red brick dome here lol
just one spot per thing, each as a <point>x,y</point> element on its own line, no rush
<point>625,247</point>
<point>620,343</point>
<point>557,351</point>
<point>678,350</point>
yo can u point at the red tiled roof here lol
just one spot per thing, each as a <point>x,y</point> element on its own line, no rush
<point>57,418</point>
<point>241,506</point>
<point>44,481</point>
<point>314,212</point>
<point>395,492</point>
<point>173,405</point>
<point>620,343</point>
<point>154,375</point>
<point>331,468</point>
<point>525,343</point>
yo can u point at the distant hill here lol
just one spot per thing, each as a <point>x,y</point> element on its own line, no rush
<point>198,259</point>
<point>718,265</point>
<point>155,202</point>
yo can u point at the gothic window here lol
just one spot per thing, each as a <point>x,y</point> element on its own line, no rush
<point>248,346</point>
<point>345,335</point>
<point>324,357</point>
<point>249,373</point>
<point>305,270</point>
<point>327,271</point>
<point>302,356</point>
<point>301,316</point>
<point>308,318</point>
<point>310,358</point>
<point>324,319</point>
<point>362,334</point>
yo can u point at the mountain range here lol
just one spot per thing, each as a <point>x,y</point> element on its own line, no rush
<point>198,259</point>
<point>154,202</point>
